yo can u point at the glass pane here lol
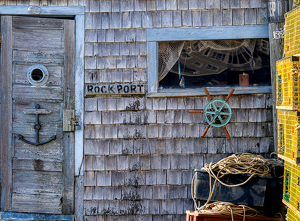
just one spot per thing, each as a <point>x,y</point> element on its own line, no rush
<point>196,64</point>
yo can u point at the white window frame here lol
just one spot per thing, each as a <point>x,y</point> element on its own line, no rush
<point>155,35</point>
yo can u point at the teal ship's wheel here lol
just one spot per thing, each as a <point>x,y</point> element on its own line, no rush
<point>217,113</point>
<point>212,113</point>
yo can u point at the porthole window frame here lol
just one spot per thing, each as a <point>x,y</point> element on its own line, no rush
<point>44,79</point>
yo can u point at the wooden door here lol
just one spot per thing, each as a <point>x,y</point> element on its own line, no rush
<point>37,84</point>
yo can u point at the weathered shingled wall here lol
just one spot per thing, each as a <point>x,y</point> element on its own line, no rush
<point>140,152</point>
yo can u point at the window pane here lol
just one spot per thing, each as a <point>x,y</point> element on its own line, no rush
<point>196,64</point>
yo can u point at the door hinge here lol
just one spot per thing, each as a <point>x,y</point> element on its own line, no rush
<point>70,121</point>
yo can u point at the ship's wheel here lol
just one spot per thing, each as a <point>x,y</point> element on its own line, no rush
<point>217,113</point>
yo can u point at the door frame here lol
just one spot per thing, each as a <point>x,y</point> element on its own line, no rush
<point>77,12</point>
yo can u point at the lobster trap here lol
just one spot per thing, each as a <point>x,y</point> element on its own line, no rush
<point>292,33</point>
<point>289,135</point>
<point>288,83</point>
<point>292,215</point>
<point>291,187</point>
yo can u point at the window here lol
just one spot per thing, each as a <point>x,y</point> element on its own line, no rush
<point>181,61</point>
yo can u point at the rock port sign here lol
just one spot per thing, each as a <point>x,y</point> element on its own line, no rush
<point>114,89</point>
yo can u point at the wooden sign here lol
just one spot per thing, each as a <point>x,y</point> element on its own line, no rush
<point>114,89</point>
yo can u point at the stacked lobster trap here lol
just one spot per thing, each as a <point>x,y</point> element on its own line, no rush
<point>288,113</point>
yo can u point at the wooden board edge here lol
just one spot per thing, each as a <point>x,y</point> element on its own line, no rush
<point>6,107</point>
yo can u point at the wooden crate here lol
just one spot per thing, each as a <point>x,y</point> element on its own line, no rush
<point>195,216</point>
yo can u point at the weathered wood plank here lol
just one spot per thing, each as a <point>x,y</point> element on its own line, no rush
<point>152,67</point>
<point>250,16</point>
<point>151,6</point>
<point>171,4</point>
<point>160,4</point>
<point>37,39</point>
<point>127,5</point>
<point>106,5</point>
<point>140,5</point>
<point>22,22</point>
<point>72,2</point>
<point>28,106</point>
<point>30,164</point>
<point>6,109</point>
<point>25,203</point>
<point>45,57</point>
<point>55,78</point>
<point>187,18</point>
<point>68,138</point>
<point>217,14</point>
<point>69,75</point>
<point>94,5</point>
<point>79,82</point>
<point>196,14</point>
<point>37,182</point>
<point>79,210</point>
<point>227,17</point>
<point>238,17</point>
<point>183,4</point>
<point>214,91</point>
<point>207,17</point>
<point>68,173</point>
<point>46,10</point>
<point>50,150</point>
<point>166,19</point>
<point>276,51</point>
<point>26,92</point>
<point>177,21</point>
<point>208,33</point>
<point>34,2</point>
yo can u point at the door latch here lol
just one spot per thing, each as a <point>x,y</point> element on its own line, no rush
<point>70,121</point>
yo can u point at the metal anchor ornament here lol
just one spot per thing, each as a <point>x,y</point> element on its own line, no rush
<point>217,113</point>
<point>37,126</point>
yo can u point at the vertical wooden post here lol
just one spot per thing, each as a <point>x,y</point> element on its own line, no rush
<point>276,53</point>
<point>68,137</point>
<point>6,111</point>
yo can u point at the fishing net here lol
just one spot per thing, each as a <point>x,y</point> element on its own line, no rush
<point>221,50</point>
<point>168,55</point>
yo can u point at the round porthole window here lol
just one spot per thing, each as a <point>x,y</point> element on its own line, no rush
<point>37,75</point>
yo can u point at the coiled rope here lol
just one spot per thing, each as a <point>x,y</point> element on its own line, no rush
<point>240,163</point>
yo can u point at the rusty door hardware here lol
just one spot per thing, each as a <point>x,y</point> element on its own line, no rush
<point>70,122</point>
<point>216,112</point>
<point>37,126</point>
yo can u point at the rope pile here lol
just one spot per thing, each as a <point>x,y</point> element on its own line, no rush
<point>225,208</point>
<point>240,163</point>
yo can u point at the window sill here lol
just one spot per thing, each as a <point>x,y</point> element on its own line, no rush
<point>212,91</point>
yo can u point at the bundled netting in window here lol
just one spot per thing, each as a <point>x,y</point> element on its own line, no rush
<point>168,55</point>
<point>236,54</point>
